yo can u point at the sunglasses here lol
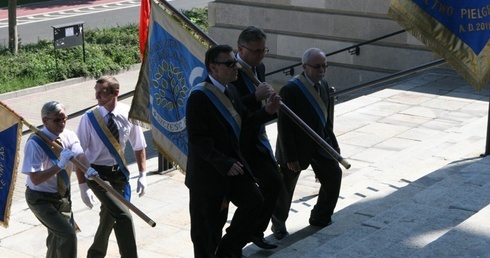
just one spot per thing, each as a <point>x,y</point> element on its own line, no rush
<point>57,120</point>
<point>230,64</point>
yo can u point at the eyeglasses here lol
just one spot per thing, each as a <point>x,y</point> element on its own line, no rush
<point>230,64</point>
<point>103,91</point>
<point>257,51</point>
<point>57,120</point>
<point>318,66</point>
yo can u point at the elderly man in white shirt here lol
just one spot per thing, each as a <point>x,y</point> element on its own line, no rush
<point>48,180</point>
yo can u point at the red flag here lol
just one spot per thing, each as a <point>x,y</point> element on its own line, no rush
<point>144,24</point>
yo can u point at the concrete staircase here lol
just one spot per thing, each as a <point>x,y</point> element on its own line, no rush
<point>444,213</point>
<point>417,187</point>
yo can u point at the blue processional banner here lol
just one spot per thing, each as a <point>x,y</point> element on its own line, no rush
<point>173,63</point>
<point>10,137</point>
<point>457,30</point>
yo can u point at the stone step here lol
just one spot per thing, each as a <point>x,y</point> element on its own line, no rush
<point>419,219</point>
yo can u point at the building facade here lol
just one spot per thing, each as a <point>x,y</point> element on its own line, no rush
<point>292,26</point>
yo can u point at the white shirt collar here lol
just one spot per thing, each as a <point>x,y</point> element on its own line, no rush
<point>51,135</point>
<point>218,85</point>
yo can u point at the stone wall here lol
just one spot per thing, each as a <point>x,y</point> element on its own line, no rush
<point>292,26</point>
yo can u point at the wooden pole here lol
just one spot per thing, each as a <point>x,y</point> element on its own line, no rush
<point>303,125</point>
<point>81,166</point>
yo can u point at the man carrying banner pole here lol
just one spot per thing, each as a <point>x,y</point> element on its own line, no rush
<point>254,142</point>
<point>104,132</point>
<point>48,180</point>
<point>216,168</point>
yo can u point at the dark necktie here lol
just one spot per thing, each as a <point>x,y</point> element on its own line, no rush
<point>111,124</point>
<point>317,88</point>
<point>254,71</point>
<point>227,93</point>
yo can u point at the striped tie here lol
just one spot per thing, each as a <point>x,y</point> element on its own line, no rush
<point>111,124</point>
<point>63,176</point>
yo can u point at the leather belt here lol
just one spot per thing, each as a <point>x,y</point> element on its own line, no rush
<point>100,168</point>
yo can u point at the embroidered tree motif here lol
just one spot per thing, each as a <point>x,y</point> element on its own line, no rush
<point>172,91</point>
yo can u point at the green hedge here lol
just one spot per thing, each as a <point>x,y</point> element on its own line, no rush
<point>107,51</point>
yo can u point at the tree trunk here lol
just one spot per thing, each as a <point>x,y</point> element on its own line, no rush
<point>13,36</point>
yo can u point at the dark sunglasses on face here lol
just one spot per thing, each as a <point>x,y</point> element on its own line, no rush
<point>57,120</point>
<point>230,64</point>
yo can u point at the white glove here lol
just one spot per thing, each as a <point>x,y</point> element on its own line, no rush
<point>65,156</point>
<point>88,196</point>
<point>141,188</point>
<point>91,172</point>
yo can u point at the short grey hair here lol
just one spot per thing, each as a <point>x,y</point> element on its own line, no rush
<point>309,53</point>
<point>251,34</point>
<point>51,108</point>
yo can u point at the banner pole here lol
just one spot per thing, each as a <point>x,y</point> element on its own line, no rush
<point>319,140</point>
<point>81,166</point>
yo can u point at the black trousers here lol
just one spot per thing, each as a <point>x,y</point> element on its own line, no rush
<point>328,173</point>
<point>113,215</point>
<point>267,174</point>
<point>246,196</point>
<point>207,217</point>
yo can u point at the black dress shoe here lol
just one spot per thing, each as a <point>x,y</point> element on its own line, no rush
<point>280,234</point>
<point>263,243</point>
<point>320,223</point>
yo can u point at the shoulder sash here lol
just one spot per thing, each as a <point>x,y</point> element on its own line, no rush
<point>312,96</point>
<point>52,156</point>
<point>244,70</point>
<point>108,139</point>
<point>223,104</point>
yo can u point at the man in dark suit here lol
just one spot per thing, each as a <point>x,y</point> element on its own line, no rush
<point>307,96</point>
<point>255,145</point>
<point>216,169</point>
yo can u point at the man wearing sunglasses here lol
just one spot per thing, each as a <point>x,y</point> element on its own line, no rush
<point>104,132</point>
<point>255,145</point>
<point>48,180</point>
<point>216,169</point>
<point>307,95</point>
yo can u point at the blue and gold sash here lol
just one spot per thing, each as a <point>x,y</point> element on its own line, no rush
<point>312,96</point>
<point>223,104</point>
<point>251,87</point>
<point>63,173</point>
<point>248,82</point>
<point>53,157</point>
<point>112,145</point>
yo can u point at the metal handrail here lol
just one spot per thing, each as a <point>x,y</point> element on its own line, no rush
<point>390,77</point>
<point>356,47</point>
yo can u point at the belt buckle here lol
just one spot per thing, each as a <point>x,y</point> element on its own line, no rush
<point>115,168</point>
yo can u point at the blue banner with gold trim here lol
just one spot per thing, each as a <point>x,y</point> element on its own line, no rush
<point>457,30</point>
<point>173,63</point>
<point>10,137</point>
